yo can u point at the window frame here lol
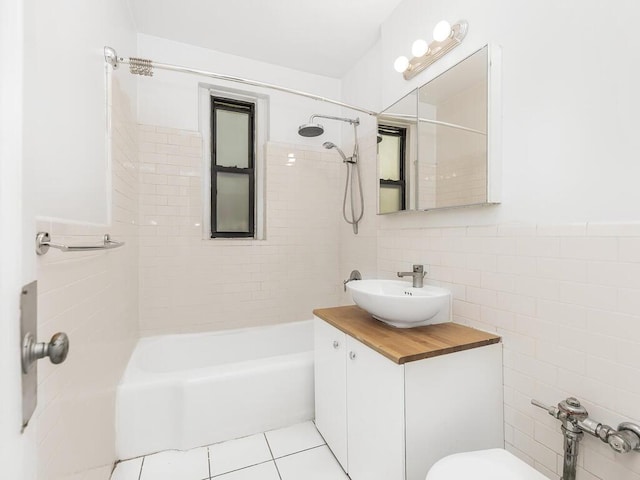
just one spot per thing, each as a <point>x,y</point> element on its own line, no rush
<point>401,132</point>
<point>249,108</point>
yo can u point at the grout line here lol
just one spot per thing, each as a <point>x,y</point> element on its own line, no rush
<point>300,451</point>
<point>243,468</point>
<point>141,466</point>
<point>264,434</point>
<point>272,457</point>
<point>277,469</point>
<point>209,461</point>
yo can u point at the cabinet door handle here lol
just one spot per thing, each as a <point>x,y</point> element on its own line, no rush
<point>336,344</point>
<point>352,355</point>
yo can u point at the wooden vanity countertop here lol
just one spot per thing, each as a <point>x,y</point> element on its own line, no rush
<point>403,345</point>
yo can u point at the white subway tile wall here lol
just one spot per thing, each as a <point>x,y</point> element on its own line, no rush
<point>360,251</point>
<point>565,300</point>
<point>93,297</point>
<point>189,282</point>
<point>460,156</point>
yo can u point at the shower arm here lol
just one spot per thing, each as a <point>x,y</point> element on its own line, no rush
<point>350,121</point>
<point>145,67</point>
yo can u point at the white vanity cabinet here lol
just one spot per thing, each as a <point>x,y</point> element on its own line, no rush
<point>385,420</point>
<point>359,405</point>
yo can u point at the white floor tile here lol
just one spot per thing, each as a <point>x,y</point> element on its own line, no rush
<point>173,465</point>
<point>235,454</point>
<point>129,470</point>
<point>295,438</point>
<point>264,471</point>
<point>315,464</point>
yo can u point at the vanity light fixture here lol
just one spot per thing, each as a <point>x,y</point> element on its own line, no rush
<point>445,38</point>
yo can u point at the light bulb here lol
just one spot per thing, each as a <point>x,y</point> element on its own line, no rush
<point>401,64</point>
<point>441,31</point>
<point>419,48</point>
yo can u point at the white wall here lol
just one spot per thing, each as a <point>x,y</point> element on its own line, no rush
<point>67,168</point>
<point>93,297</point>
<point>17,452</point>
<point>554,268</point>
<point>69,176</point>
<point>170,99</point>
<point>569,102</point>
<point>188,283</point>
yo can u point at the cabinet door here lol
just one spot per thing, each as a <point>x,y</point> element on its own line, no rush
<point>453,404</point>
<point>375,402</point>
<point>330,387</point>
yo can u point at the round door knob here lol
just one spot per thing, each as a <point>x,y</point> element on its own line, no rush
<point>336,344</point>
<point>352,355</point>
<point>58,348</point>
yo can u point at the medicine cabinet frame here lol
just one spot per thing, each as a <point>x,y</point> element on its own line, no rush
<point>493,135</point>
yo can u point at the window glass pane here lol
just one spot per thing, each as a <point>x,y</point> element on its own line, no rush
<point>389,157</point>
<point>232,205</point>
<point>390,198</point>
<point>232,139</point>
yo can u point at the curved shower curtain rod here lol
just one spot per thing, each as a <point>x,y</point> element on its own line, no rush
<point>144,67</point>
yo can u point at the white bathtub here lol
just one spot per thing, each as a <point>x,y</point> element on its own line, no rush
<point>184,391</point>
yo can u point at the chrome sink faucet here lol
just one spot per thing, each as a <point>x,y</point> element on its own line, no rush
<point>418,274</point>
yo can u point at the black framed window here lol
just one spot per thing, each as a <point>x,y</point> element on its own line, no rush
<point>232,168</point>
<point>391,157</point>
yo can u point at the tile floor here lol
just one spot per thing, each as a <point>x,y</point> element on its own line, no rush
<point>292,453</point>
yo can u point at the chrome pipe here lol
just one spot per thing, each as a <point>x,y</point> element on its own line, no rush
<point>572,438</point>
<point>351,121</point>
<point>145,67</point>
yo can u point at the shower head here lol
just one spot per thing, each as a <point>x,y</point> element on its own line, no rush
<point>310,130</point>
<point>330,145</point>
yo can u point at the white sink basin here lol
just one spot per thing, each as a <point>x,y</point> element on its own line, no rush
<point>397,303</point>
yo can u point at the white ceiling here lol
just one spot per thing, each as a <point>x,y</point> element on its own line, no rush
<point>317,36</point>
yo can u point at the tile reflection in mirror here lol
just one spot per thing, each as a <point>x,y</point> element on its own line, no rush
<point>451,126</point>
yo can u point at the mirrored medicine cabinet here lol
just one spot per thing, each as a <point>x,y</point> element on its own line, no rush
<point>439,146</point>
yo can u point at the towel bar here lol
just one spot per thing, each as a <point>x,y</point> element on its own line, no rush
<point>43,243</point>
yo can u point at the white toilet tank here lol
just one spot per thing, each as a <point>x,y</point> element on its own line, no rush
<point>494,464</point>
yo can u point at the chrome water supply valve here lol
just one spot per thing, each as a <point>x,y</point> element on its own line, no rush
<point>575,421</point>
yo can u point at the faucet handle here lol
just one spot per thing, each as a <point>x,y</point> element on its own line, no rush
<point>419,269</point>
<point>553,411</point>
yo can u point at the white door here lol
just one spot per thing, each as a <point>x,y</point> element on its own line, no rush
<point>375,406</point>
<point>330,387</point>
<point>17,451</point>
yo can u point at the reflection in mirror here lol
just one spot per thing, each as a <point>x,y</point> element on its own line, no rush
<point>397,149</point>
<point>391,161</point>
<point>452,131</point>
<point>449,129</point>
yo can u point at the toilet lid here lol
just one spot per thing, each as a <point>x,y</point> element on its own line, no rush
<point>494,464</point>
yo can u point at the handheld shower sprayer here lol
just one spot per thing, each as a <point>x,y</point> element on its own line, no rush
<point>330,145</point>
